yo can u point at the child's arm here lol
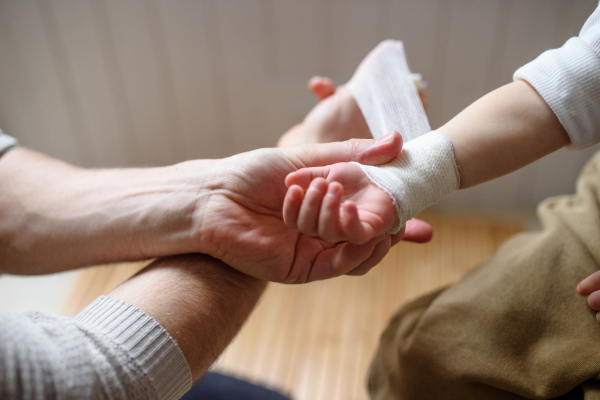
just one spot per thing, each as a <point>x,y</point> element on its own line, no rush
<point>501,132</point>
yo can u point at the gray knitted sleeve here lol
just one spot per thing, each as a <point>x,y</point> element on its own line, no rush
<point>110,350</point>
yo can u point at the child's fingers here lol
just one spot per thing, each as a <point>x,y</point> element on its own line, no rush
<point>351,224</point>
<point>589,284</point>
<point>329,219</point>
<point>308,217</point>
<point>594,300</point>
<point>303,177</point>
<point>291,206</point>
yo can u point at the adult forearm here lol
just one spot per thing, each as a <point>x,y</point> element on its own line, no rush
<point>202,304</point>
<point>55,216</point>
<point>502,132</point>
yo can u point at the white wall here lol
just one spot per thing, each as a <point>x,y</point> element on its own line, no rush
<point>150,82</point>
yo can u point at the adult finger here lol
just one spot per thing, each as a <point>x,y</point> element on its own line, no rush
<point>380,251</point>
<point>364,151</point>
<point>417,231</point>
<point>341,259</point>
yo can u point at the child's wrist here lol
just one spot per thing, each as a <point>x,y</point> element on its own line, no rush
<point>423,173</point>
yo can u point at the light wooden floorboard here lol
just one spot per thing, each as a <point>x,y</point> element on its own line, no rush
<point>315,341</point>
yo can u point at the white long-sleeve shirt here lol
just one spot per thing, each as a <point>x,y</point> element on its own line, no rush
<point>568,79</point>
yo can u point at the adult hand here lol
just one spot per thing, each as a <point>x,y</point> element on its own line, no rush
<point>240,219</point>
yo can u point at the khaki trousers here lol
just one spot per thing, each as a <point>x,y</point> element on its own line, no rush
<point>512,328</point>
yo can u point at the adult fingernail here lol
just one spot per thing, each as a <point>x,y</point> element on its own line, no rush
<point>385,139</point>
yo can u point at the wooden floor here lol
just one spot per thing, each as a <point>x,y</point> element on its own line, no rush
<point>315,341</point>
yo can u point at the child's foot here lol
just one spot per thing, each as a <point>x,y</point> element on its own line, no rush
<point>590,287</point>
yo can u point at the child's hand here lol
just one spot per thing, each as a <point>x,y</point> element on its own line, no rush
<point>590,286</point>
<point>337,203</point>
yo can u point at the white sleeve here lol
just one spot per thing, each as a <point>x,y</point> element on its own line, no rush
<point>568,79</point>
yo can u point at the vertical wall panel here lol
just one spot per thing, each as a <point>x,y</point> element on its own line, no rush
<point>241,49</point>
<point>150,82</point>
<point>88,68</point>
<point>356,30</point>
<point>131,35</point>
<point>18,114</point>
<point>36,67</point>
<point>197,82</point>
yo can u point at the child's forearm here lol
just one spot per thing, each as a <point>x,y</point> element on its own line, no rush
<point>502,132</point>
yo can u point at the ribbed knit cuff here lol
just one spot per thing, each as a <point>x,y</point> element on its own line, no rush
<point>148,344</point>
<point>6,143</point>
<point>568,80</point>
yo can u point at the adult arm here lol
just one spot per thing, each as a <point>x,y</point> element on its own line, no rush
<point>150,339</point>
<point>55,216</point>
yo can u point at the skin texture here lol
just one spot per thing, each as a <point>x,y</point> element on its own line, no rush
<point>230,209</point>
<point>499,133</point>
<point>194,285</point>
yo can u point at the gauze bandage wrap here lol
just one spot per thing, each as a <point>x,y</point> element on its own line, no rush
<point>386,94</point>
<point>425,171</point>
<point>420,176</point>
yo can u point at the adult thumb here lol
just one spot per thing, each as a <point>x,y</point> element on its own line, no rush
<point>364,151</point>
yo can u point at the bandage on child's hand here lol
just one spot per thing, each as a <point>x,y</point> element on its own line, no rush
<point>337,203</point>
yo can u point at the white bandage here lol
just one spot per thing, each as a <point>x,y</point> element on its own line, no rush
<point>386,93</point>
<point>425,171</point>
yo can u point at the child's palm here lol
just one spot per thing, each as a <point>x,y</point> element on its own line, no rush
<point>338,202</point>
